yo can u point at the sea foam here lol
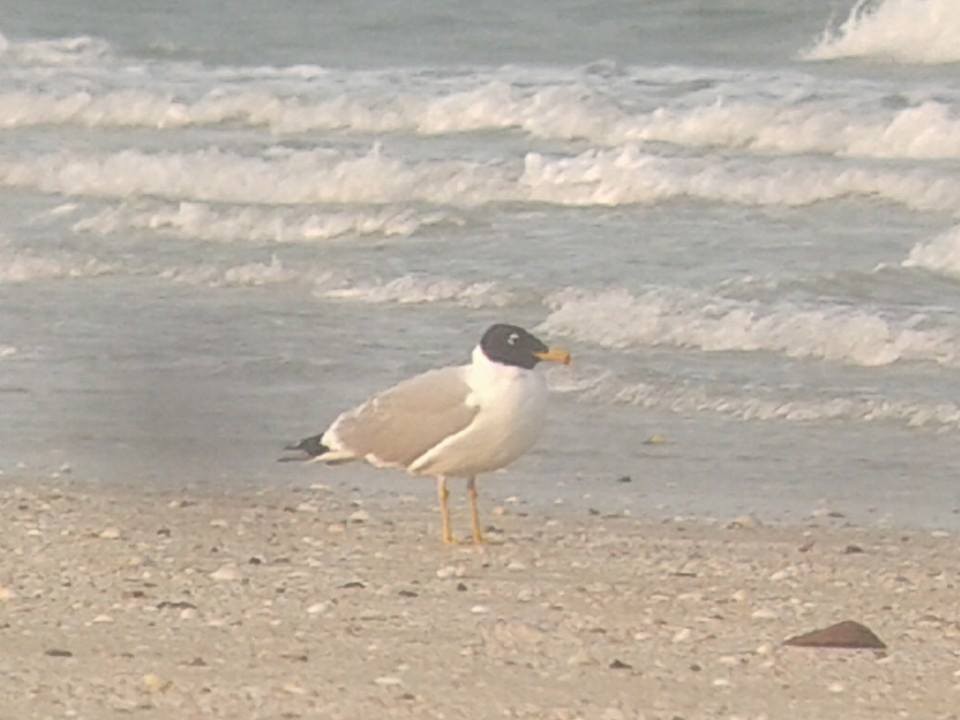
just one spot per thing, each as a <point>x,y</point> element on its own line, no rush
<point>907,31</point>
<point>757,404</point>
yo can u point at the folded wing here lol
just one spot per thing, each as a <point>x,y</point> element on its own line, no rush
<point>399,425</point>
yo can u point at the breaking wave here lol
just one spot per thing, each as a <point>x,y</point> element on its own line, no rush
<point>619,319</point>
<point>22,267</point>
<point>611,177</point>
<point>906,31</point>
<point>940,255</point>
<point>202,221</point>
<point>839,126</point>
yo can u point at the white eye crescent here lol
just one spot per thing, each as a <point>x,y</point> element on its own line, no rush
<point>512,339</point>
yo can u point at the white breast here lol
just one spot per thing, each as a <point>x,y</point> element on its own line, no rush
<point>512,404</point>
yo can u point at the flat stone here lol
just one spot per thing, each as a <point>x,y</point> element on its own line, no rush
<point>847,635</point>
<point>227,573</point>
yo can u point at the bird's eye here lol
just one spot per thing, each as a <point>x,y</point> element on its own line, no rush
<point>512,339</point>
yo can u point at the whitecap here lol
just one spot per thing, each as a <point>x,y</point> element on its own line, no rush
<point>940,255</point>
<point>906,31</point>
<point>22,267</point>
<point>204,221</point>
<point>420,289</point>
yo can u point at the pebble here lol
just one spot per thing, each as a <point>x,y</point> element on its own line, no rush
<point>102,619</point>
<point>782,574</point>
<point>218,523</point>
<point>764,614</point>
<point>479,609</point>
<point>307,507</point>
<point>836,687</point>
<point>388,681</point>
<point>360,516</point>
<point>110,533</point>
<point>450,571</point>
<point>681,635</point>
<point>846,634</point>
<point>227,573</point>
<point>6,594</point>
<point>154,683</point>
<point>317,608</point>
<point>516,565</point>
<point>580,657</point>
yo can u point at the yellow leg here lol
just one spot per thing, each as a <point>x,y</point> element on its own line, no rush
<point>443,494</point>
<point>474,511</point>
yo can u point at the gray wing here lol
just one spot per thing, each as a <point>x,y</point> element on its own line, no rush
<point>402,423</point>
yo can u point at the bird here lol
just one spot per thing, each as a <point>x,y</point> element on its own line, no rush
<point>451,422</point>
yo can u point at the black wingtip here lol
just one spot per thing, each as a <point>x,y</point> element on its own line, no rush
<point>313,447</point>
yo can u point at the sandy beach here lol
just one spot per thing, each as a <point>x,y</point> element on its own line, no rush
<point>313,603</point>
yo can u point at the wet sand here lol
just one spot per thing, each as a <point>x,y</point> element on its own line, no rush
<point>313,603</point>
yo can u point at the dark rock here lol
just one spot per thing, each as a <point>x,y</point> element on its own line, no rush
<point>847,634</point>
<point>620,665</point>
<point>852,549</point>
<point>295,657</point>
<point>176,605</point>
<point>57,652</point>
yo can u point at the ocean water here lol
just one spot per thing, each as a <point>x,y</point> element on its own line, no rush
<point>222,223</point>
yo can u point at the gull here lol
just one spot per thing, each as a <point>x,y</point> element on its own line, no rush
<point>451,422</point>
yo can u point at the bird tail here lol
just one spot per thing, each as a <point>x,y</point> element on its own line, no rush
<point>311,448</point>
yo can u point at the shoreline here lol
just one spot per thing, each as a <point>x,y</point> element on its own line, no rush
<point>308,602</point>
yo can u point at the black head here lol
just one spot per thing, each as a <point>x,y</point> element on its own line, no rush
<point>512,345</point>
